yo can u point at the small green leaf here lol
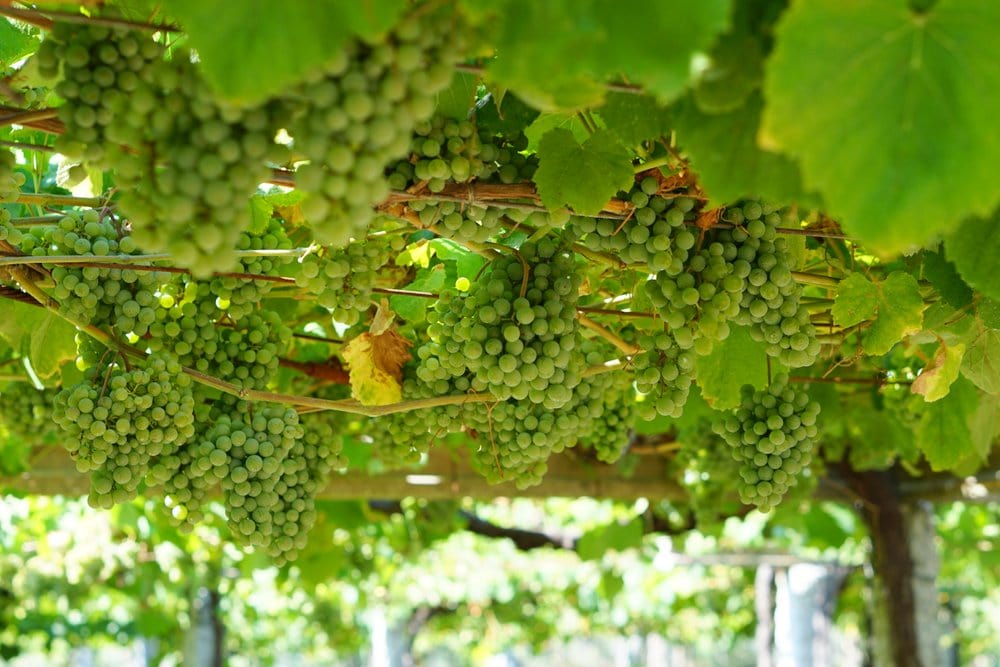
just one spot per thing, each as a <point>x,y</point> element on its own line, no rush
<point>974,248</point>
<point>616,536</point>
<point>936,379</point>
<point>856,301</point>
<point>253,49</point>
<point>944,434</point>
<point>47,337</point>
<point>458,99</point>
<point>467,262</point>
<point>894,303</point>
<point>981,364</point>
<point>414,308</point>
<point>732,363</point>
<point>16,42</point>
<point>866,95</point>
<point>581,177</point>
<point>942,274</point>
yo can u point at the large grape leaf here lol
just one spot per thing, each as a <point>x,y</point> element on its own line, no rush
<point>724,151</point>
<point>892,113</point>
<point>944,434</point>
<point>581,177</point>
<point>894,303</point>
<point>733,362</point>
<point>974,248</point>
<point>941,273</point>
<point>557,54</point>
<point>252,49</point>
<point>635,118</point>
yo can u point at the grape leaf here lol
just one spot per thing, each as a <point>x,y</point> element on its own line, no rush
<point>734,72</point>
<point>942,274</point>
<point>944,434</point>
<point>894,303</point>
<point>936,379</point>
<point>376,363</point>
<point>866,95</point>
<point>856,300</point>
<point>724,151</point>
<point>16,41</point>
<point>44,336</point>
<point>635,118</point>
<point>458,99</point>
<point>556,54</point>
<point>582,177</point>
<point>984,424</point>
<point>252,49</point>
<point>734,362</point>
<point>981,364</point>
<point>973,247</point>
<point>414,308</point>
<point>467,262</point>
<point>614,536</point>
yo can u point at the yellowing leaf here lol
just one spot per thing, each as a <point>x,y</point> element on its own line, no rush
<point>936,379</point>
<point>376,367</point>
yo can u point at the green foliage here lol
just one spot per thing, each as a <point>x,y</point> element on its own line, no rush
<point>894,305</point>
<point>973,248</point>
<point>732,363</point>
<point>616,536</point>
<point>865,96</point>
<point>581,177</point>
<point>285,45</point>
<point>44,337</point>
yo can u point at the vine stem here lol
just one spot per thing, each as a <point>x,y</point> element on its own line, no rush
<point>15,260</point>
<point>27,146</point>
<point>14,378</point>
<point>45,199</point>
<point>479,70</point>
<point>610,336</point>
<point>27,117</point>
<point>877,380</point>
<point>31,220</point>
<point>815,279</point>
<point>46,19</point>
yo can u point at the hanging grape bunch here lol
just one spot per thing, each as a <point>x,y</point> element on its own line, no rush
<point>771,434</point>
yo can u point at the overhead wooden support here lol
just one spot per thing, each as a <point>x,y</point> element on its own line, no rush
<point>447,474</point>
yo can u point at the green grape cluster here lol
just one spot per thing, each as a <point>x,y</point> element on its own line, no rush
<point>107,74</point>
<point>342,279</point>
<point>11,181</point>
<point>401,439</point>
<point>357,115</point>
<point>444,151</point>
<point>120,421</point>
<point>239,296</point>
<point>124,299</point>
<point>698,303</point>
<point>771,435</point>
<point>663,374</point>
<point>27,411</point>
<point>771,304</point>
<point>514,439</point>
<point>656,233</point>
<point>210,158</point>
<point>515,332</point>
<point>606,403</point>
<point>245,352</point>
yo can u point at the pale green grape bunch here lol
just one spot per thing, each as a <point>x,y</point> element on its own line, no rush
<point>663,374</point>
<point>402,438</point>
<point>656,233</point>
<point>357,116</point>
<point>771,435</point>
<point>11,181</point>
<point>239,296</point>
<point>606,404</point>
<point>698,303</point>
<point>771,304</point>
<point>27,411</point>
<point>122,299</point>
<point>120,421</point>
<point>342,279</point>
<point>107,73</point>
<point>515,333</point>
<point>445,151</point>
<point>245,352</point>
<point>210,157</point>
<point>514,439</point>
